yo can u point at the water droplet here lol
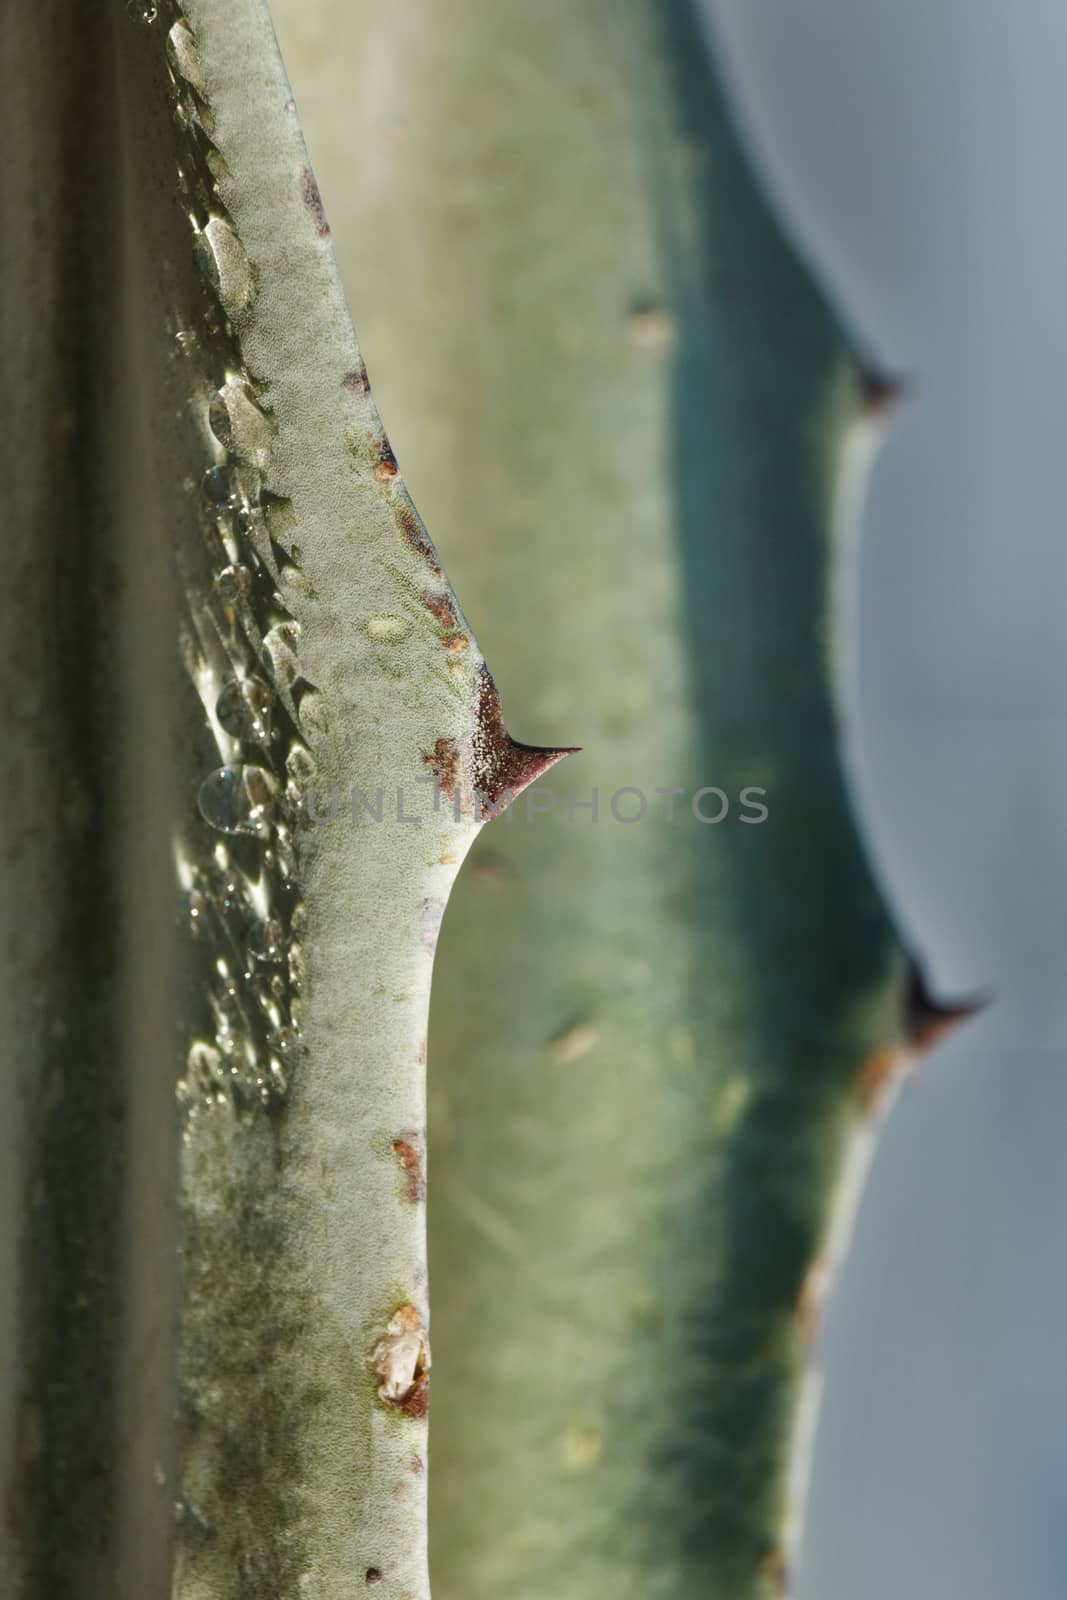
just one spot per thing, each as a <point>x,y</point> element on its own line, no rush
<point>142,11</point>
<point>297,971</point>
<point>233,584</point>
<point>238,423</point>
<point>300,764</point>
<point>244,709</point>
<point>284,855</point>
<point>266,942</point>
<point>198,904</point>
<point>299,919</point>
<point>225,264</point>
<point>230,998</point>
<point>284,1042</point>
<point>183,56</point>
<point>238,799</point>
<point>230,890</point>
<point>204,1068</point>
<point>184,342</point>
<point>280,644</point>
<point>312,714</point>
<point>221,488</point>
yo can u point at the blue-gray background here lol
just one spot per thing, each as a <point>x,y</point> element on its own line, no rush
<point>919,148</point>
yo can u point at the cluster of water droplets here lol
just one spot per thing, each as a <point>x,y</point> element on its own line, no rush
<point>237,860</point>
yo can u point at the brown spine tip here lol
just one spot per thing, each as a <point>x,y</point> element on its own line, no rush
<point>374,1575</point>
<point>928,1021</point>
<point>501,768</point>
<point>879,394</point>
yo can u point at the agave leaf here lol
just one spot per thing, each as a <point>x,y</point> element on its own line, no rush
<point>656,1048</point>
<point>223,615</point>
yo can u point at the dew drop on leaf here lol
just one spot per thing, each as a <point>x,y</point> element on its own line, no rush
<point>238,799</point>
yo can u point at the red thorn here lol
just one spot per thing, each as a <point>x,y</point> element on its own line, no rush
<point>501,768</point>
<point>927,1021</point>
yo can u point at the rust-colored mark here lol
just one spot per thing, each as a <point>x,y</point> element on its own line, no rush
<point>418,1466</point>
<point>356,381</point>
<point>811,1300</point>
<point>410,1150</point>
<point>926,1020</point>
<point>501,768</point>
<point>401,1360</point>
<point>574,1043</point>
<point>441,609</point>
<point>775,1573</point>
<point>455,644</point>
<point>374,1575</point>
<point>877,1071</point>
<point>417,1403</point>
<point>386,468</point>
<point>313,200</point>
<point>650,328</point>
<point>415,534</point>
<point>444,763</point>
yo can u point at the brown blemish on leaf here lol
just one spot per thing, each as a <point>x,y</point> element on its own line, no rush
<point>441,609</point>
<point>415,534</point>
<point>418,1466</point>
<point>456,643</point>
<point>374,1575</point>
<point>313,200</point>
<point>650,327</point>
<point>401,1360</point>
<point>409,1149</point>
<point>444,763</point>
<point>775,1573</point>
<point>573,1043</point>
<point>501,767</point>
<point>356,381</point>
<point>811,1299</point>
<point>926,1020</point>
<point>386,468</point>
<point>417,1403</point>
<point>877,1071</point>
